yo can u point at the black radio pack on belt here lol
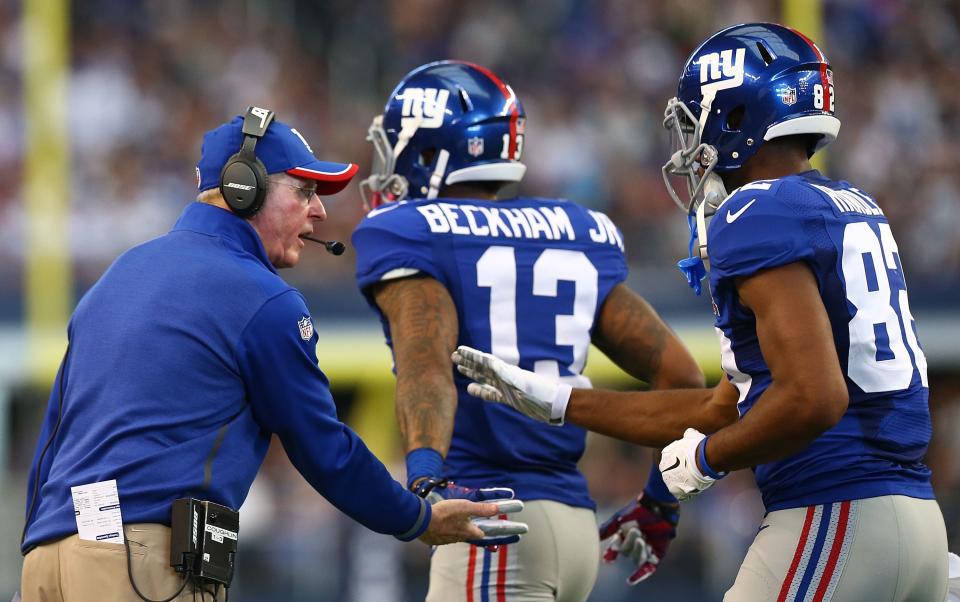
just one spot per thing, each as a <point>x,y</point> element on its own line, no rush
<point>203,540</point>
<point>203,547</point>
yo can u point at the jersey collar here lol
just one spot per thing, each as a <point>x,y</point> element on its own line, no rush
<point>214,221</point>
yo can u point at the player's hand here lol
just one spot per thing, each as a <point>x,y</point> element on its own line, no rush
<point>454,521</point>
<point>536,396</point>
<point>678,465</point>
<point>494,531</point>
<point>641,531</point>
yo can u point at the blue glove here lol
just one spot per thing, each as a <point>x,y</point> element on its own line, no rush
<point>499,531</point>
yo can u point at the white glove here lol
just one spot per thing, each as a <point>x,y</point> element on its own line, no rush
<point>953,577</point>
<point>536,396</point>
<point>678,465</point>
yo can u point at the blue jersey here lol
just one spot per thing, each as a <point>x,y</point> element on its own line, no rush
<point>841,234</point>
<point>528,277</point>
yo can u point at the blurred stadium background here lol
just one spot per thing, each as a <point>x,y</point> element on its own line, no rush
<point>102,105</point>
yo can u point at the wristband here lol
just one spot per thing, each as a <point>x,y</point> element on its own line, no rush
<point>423,462</point>
<point>704,467</point>
<point>656,489</point>
<point>560,401</point>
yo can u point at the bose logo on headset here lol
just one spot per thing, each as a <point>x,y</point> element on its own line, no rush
<point>237,185</point>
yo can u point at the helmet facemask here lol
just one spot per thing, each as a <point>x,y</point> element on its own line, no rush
<point>692,160</point>
<point>383,184</point>
<point>695,162</point>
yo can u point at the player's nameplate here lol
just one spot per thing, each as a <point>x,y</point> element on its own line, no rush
<point>97,508</point>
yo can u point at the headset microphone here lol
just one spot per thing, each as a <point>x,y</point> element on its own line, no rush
<point>334,247</point>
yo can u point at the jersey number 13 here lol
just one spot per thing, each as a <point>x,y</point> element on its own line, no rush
<point>497,270</point>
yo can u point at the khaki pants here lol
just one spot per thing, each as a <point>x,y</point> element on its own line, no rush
<point>76,570</point>
<point>557,560</point>
<point>891,548</point>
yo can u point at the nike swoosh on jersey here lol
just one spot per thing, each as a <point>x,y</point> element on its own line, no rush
<point>676,463</point>
<point>382,209</point>
<point>733,215</point>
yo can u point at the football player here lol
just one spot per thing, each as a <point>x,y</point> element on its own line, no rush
<point>447,256</point>
<point>818,343</point>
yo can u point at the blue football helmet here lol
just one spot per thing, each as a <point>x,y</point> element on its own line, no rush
<point>746,84</point>
<point>446,122</point>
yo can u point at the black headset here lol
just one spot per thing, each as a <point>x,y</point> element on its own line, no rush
<point>243,180</point>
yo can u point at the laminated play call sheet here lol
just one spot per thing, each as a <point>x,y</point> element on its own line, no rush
<point>97,508</point>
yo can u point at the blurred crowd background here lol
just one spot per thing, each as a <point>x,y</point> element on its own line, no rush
<point>148,78</point>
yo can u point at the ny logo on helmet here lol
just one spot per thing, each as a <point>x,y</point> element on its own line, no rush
<point>424,107</point>
<point>721,70</point>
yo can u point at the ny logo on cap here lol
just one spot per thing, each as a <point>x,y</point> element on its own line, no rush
<point>302,139</point>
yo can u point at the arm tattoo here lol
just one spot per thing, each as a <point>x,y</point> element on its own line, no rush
<point>631,334</point>
<point>424,329</point>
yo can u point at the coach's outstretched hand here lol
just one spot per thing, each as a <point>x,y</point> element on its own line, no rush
<point>536,396</point>
<point>459,520</point>
<point>497,531</point>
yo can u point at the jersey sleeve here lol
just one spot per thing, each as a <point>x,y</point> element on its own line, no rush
<point>605,244</point>
<point>290,396</point>
<point>392,240</point>
<point>617,261</point>
<point>755,230</point>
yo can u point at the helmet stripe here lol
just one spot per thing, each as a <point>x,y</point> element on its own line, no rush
<point>823,69</point>
<point>816,49</point>
<point>826,87</point>
<point>511,97</point>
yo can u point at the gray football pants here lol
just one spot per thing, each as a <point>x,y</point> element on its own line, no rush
<point>891,548</point>
<point>557,560</point>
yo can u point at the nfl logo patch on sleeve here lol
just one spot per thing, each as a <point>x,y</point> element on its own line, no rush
<point>306,327</point>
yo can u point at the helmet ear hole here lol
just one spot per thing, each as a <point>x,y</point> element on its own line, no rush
<point>426,156</point>
<point>735,118</point>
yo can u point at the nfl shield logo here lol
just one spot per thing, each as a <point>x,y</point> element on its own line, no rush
<point>788,96</point>
<point>475,146</point>
<point>306,328</point>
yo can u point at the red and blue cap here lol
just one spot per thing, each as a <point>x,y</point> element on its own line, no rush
<point>281,149</point>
